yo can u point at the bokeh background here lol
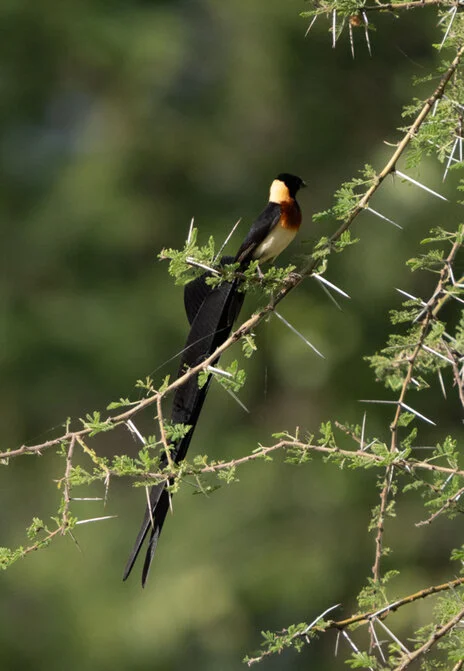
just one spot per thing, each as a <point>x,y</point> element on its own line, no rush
<point>119,121</point>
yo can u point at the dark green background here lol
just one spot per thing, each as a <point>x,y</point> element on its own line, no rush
<point>119,121</point>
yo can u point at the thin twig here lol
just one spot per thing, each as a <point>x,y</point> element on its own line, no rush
<point>451,501</point>
<point>67,486</point>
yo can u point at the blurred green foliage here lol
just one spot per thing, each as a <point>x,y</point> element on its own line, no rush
<point>120,120</point>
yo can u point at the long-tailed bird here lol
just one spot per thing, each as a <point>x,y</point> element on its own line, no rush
<point>211,313</point>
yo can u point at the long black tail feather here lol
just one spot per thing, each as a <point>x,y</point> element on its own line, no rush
<point>211,313</point>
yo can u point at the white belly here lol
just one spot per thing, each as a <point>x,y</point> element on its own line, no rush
<point>274,243</point>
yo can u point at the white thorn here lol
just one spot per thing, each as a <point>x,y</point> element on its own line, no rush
<point>421,313</point>
<point>377,642</point>
<point>439,354</point>
<point>97,519</point>
<point>350,30</point>
<point>366,32</point>
<point>453,16</point>
<point>322,279</point>
<point>450,158</point>
<point>87,498</point>
<point>334,28</point>
<point>402,405</point>
<point>311,25</point>
<point>300,335</point>
<point>365,400</point>
<point>423,447</point>
<point>382,216</point>
<point>390,633</point>
<point>319,617</point>
<point>219,371</point>
<point>438,147</point>
<point>227,239</point>
<point>326,291</point>
<point>189,236</point>
<point>337,641</point>
<point>456,298</point>
<point>362,431</point>
<point>192,262</point>
<point>236,399</point>
<point>134,430</point>
<point>448,479</point>
<point>373,442</point>
<point>443,18</point>
<point>353,645</point>
<point>414,298</point>
<point>422,186</point>
<point>418,414</point>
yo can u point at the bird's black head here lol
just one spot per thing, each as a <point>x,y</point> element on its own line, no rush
<point>292,182</point>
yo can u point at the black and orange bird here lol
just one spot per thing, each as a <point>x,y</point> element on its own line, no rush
<point>211,313</point>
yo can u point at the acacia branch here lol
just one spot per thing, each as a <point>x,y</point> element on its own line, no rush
<point>392,607</point>
<point>431,311</point>
<point>367,618</point>
<point>434,638</point>
<point>407,466</point>
<point>451,501</point>
<point>67,486</point>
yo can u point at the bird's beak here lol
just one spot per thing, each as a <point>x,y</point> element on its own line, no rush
<point>303,183</point>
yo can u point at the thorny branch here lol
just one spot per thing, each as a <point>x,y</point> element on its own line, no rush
<point>430,314</point>
<point>67,485</point>
<point>375,615</point>
<point>392,607</point>
<point>408,466</point>
<point>451,501</point>
<point>434,638</point>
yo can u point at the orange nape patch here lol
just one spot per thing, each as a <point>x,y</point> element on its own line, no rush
<point>290,215</point>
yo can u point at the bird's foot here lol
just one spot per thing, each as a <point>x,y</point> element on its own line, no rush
<point>293,278</point>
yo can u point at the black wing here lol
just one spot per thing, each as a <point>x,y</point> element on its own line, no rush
<point>267,220</point>
<point>197,290</point>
